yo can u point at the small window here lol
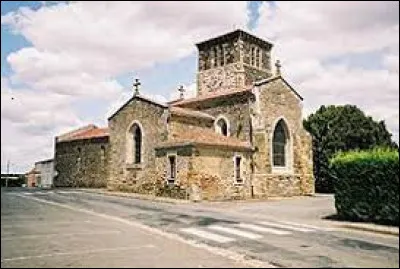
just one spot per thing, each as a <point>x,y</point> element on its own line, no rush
<point>221,127</point>
<point>238,172</point>
<point>103,153</point>
<point>79,160</point>
<point>172,169</point>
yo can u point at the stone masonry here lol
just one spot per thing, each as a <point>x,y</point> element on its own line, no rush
<point>241,137</point>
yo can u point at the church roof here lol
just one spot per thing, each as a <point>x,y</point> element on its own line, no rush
<point>209,97</point>
<point>190,113</point>
<point>264,81</point>
<point>140,97</point>
<point>86,132</point>
<point>205,137</point>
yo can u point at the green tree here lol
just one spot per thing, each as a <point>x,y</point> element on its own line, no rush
<point>341,128</point>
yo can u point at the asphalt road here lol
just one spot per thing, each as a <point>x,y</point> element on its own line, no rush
<point>71,228</point>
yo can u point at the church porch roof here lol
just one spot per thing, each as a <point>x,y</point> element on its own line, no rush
<point>205,137</point>
<point>190,113</point>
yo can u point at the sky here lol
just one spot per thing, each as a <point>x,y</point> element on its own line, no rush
<point>67,64</point>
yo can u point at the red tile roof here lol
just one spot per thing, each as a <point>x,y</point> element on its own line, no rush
<point>205,137</point>
<point>190,113</point>
<point>207,97</point>
<point>87,132</point>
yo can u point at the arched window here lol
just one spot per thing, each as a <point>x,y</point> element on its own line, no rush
<point>280,145</point>
<point>137,145</point>
<point>134,143</point>
<point>222,126</point>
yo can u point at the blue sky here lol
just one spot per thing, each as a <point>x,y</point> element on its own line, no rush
<point>64,65</point>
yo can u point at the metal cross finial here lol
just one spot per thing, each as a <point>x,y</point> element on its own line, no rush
<point>136,85</point>
<point>278,67</point>
<point>181,91</point>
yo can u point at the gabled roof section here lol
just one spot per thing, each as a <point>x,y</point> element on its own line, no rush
<point>205,137</point>
<point>236,34</point>
<point>184,112</point>
<point>139,97</point>
<point>86,132</point>
<point>209,97</point>
<point>268,80</point>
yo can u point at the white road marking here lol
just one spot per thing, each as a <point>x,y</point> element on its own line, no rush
<point>287,226</point>
<point>305,225</point>
<point>34,236</point>
<point>68,192</point>
<point>238,257</point>
<point>263,229</point>
<point>81,252</point>
<point>208,235</point>
<point>38,222</point>
<point>235,232</point>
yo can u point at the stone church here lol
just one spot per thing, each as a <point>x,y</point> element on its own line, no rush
<point>240,137</point>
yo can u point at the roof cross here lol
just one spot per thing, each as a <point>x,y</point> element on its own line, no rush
<point>181,92</point>
<point>136,85</point>
<point>278,67</point>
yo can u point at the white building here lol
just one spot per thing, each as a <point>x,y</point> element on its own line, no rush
<point>46,173</point>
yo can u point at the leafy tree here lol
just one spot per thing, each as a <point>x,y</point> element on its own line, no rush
<point>341,128</point>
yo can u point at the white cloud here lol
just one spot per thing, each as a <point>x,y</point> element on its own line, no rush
<point>310,37</point>
<point>78,48</point>
<point>30,121</point>
<point>110,38</point>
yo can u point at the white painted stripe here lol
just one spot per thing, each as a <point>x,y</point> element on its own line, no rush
<point>81,252</point>
<point>208,235</point>
<point>303,225</point>
<point>235,232</point>
<point>27,193</point>
<point>34,236</point>
<point>68,192</point>
<point>263,229</point>
<point>286,226</point>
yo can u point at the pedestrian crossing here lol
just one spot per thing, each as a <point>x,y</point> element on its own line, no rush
<point>252,231</point>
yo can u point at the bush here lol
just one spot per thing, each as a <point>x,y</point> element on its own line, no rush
<point>367,185</point>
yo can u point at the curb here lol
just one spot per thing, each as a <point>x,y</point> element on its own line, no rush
<point>141,197</point>
<point>371,229</point>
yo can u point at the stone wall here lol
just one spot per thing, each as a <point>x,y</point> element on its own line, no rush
<point>125,175</point>
<point>277,101</point>
<point>203,173</point>
<point>253,74</point>
<point>179,124</point>
<point>82,163</point>
<point>236,109</point>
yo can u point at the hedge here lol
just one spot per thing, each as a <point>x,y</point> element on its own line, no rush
<point>367,185</point>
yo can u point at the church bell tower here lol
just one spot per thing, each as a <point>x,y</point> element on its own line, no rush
<point>231,62</point>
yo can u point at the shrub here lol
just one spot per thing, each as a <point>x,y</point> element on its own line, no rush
<point>367,185</point>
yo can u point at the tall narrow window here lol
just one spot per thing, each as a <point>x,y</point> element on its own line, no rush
<point>172,169</point>
<point>102,154</point>
<point>79,159</point>
<point>280,144</point>
<point>238,172</point>
<point>138,144</point>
